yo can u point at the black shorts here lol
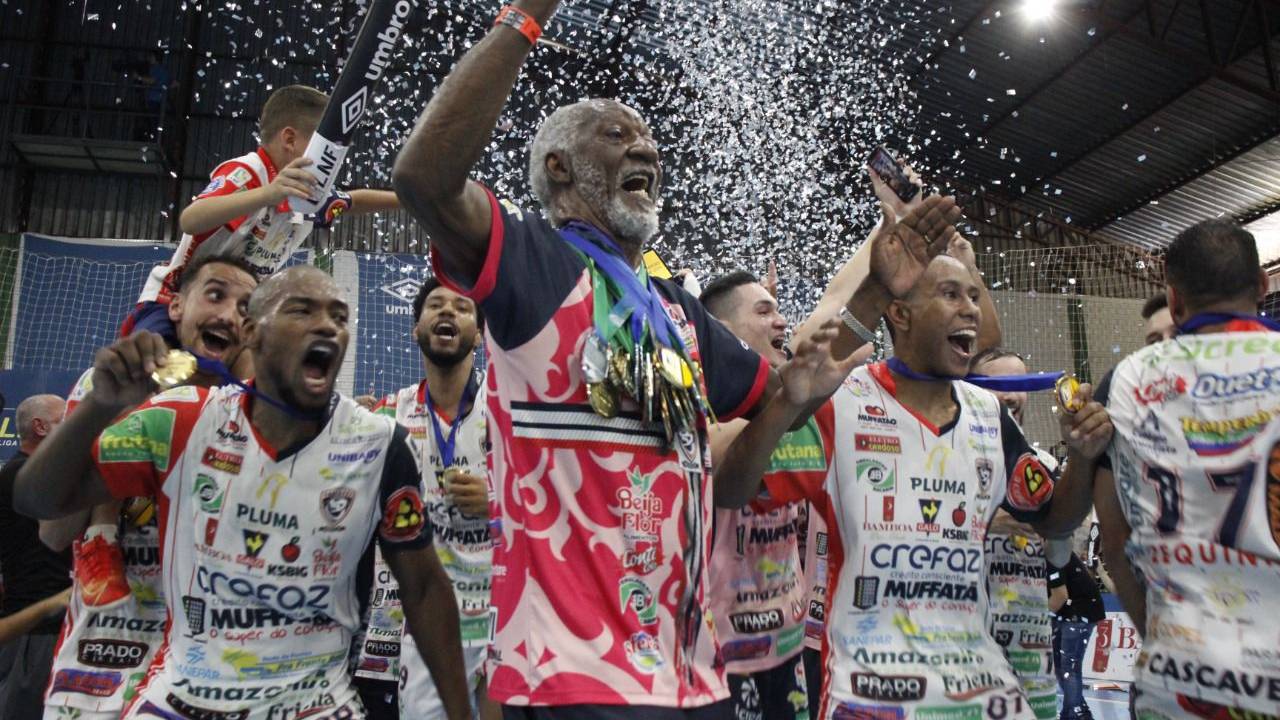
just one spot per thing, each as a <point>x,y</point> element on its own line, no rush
<point>779,692</point>
<point>715,711</point>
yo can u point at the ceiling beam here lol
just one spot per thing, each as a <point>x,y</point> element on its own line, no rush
<point>1098,40</point>
<point>941,47</point>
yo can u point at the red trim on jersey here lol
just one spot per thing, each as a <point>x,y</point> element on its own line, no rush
<point>422,400</point>
<point>880,372</point>
<point>487,279</point>
<point>143,479</point>
<point>753,397</point>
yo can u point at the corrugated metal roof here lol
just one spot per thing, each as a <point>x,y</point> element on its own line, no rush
<point>1105,108</point>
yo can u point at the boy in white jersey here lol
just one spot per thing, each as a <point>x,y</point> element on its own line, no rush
<point>1192,488</point>
<point>444,415</point>
<point>212,298</point>
<point>907,603</point>
<point>269,496</point>
<point>243,210</point>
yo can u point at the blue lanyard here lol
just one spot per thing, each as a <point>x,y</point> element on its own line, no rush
<point>999,383</point>
<point>215,367</point>
<point>642,300</point>
<point>1195,322</point>
<point>447,445</point>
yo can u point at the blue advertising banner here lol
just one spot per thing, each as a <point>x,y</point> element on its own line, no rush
<point>387,355</point>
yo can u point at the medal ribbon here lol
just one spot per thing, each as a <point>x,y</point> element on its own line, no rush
<point>1001,383</point>
<point>637,300</point>
<point>447,445</point>
<point>215,367</point>
<point>1195,322</point>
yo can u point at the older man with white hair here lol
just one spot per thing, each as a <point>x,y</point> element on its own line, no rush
<point>602,383</point>
<point>32,572</point>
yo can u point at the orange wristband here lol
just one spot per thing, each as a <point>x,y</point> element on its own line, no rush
<point>521,21</point>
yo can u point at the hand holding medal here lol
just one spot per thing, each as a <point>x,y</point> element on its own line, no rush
<point>129,370</point>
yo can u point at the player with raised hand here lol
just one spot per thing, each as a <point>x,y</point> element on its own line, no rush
<point>211,302</point>
<point>1190,487</point>
<point>269,496</point>
<point>922,462</point>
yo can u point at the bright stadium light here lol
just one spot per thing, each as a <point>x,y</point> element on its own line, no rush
<point>1038,9</point>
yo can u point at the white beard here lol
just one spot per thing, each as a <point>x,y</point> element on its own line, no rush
<point>625,223</point>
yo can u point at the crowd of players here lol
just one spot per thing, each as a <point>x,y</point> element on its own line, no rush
<point>546,541</point>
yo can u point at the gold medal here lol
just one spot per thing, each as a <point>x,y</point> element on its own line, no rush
<point>603,400</point>
<point>179,366</point>
<point>1068,389</point>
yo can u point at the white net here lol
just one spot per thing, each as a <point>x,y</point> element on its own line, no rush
<point>1062,308</point>
<point>62,309</point>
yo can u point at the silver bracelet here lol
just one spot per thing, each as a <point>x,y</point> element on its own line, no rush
<point>858,328</point>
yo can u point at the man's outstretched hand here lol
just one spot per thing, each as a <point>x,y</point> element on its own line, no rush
<point>812,373</point>
<point>901,250</point>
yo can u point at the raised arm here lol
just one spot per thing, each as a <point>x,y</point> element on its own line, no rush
<point>431,616</point>
<point>432,170</point>
<point>1087,433</point>
<point>60,478</point>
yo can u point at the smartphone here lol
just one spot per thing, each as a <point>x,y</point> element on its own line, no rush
<point>891,173</point>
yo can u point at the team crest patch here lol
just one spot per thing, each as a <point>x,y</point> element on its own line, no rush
<point>985,471</point>
<point>403,519</point>
<point>1031,485</point>
<point>335,503</point>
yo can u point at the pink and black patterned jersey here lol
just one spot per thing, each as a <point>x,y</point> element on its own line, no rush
<point>259,549</point>
<point>758,592</point>
<point>907,506</point>
<point>268,237</point>
<point>1196,460</point>
<point>602,536</point>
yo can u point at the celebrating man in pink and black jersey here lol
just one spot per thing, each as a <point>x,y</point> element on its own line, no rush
<point>269,495</point>
<point>601,382</point>
<point>1191,487</point>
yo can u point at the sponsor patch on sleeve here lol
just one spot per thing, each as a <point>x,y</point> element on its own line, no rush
<point>214,185</point>
<point>1030,485</point>
<point>145,435</point>
<point>239,177</point>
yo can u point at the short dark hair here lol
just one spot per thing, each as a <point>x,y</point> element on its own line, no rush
<point>429,286</point>
<point>1211,261</point>
<point>1154,304</point>
<point>715,296</point>
<point>994,353</point>
<point>198,263</point>
<point>299,106</point>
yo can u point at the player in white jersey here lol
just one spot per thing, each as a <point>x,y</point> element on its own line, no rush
<point>1016,568</point>
<point>212,299</point>
<point>922,462</point>
<point>268,496</point>
<point>244,211</point>
<point>1192,495</point>
<point>444,414</point>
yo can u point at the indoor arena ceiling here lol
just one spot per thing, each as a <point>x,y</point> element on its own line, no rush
<point>1127,118</point>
